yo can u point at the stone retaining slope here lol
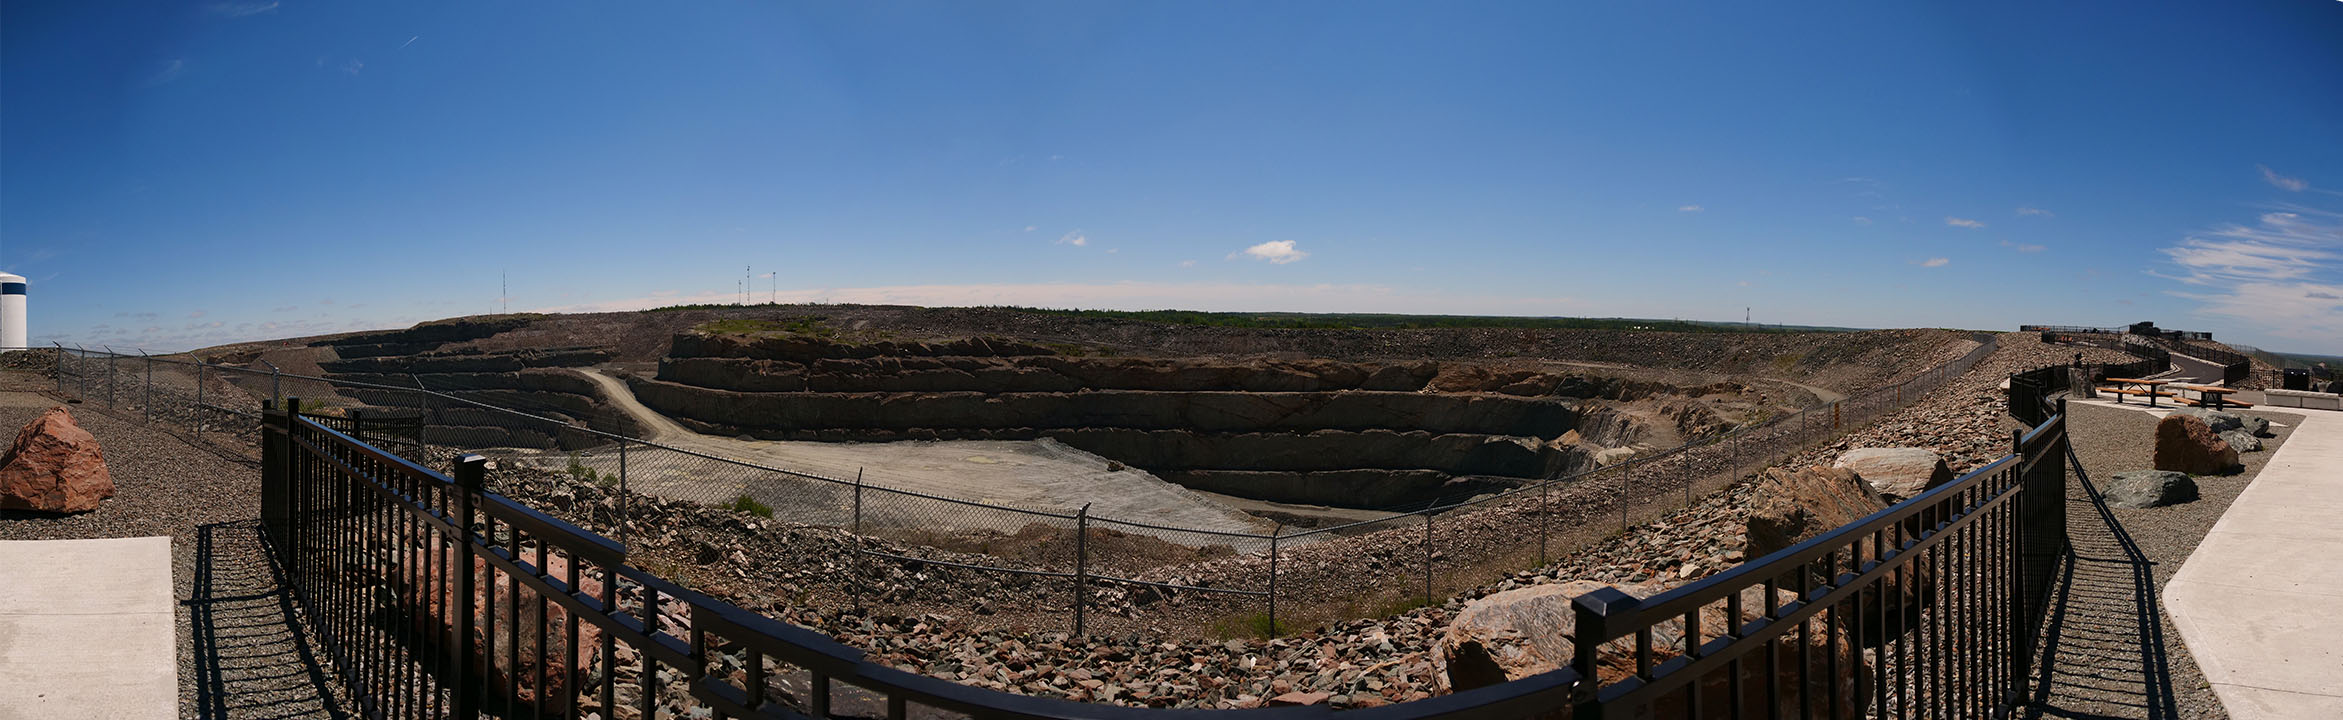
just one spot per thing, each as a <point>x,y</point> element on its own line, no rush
<point>87,630</point>
<point>1293,430</point>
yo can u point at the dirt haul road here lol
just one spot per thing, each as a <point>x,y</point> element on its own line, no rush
<point>1040,475</point>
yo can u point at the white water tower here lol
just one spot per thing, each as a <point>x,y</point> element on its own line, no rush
<point>12,311</point>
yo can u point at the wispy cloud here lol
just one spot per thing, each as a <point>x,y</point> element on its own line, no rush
<point>2290,184</point>
<point>1860,220</point>
<point>1933,262</point>
<point>2035,211</point>
<point>1187,263</point>
<point>1075,238</point>
<point>2022,247</point>
<point>1689,208</point>
<point>354,66</point>
<point>168,72</point>
<point>1963,223</point>
<point>241,9</point>
<point>2283,274</point>
<point>1030,228</point>
<point>1278,252</point>
<point>410,41</point>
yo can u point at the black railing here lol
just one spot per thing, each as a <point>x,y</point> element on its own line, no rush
<point>1946,589</point>
<point>435,598</point>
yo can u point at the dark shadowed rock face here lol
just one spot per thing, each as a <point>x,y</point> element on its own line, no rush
<point>2137,489</point>
<point>2186,444</point>
<point>1792,507</point>
<point>55,466</point>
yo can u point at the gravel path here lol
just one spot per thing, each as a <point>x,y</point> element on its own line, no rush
<point>2114,654</point>
<point>248,661</point>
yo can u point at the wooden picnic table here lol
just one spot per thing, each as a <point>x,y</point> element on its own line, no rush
<point>2150,388</point>
<point>2215,397</point>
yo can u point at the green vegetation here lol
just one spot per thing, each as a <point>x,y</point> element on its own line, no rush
<point>803,325</point>
<point>1379,321</point>
<point>578,470</point>
<point>1249,625</point>
<point>749,505</point>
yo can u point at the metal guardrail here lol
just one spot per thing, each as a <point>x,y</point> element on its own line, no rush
<point>435,598</point>
<point>1644,487</point>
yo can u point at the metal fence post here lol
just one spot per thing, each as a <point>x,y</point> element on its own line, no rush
<point>357,425</point>
<point>1278,529</point>
<point>1427,557</point>
<point>1626,476</point>
<point>60,367</point>
<point>1545,497</point>
<point>624,509</point>
<point>1081,565</point>
<point>470,470</point>
<point>111,375</point>
<point>858,501</point>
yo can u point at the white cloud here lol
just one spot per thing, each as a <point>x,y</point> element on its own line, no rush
<point>1277,252</point>
<point>1963,222</point>
<point>1075,238</point>
<point>1935,262</point>
<point>242,9</point>
<point>2022,247</point>
<point>2282,182</point>
<point>2036,211</point>
<point>1860,220</point>
<point>1689,208</point>
<point>2282,275</point>
<point>1187,263</point>
<point>1030,228</point>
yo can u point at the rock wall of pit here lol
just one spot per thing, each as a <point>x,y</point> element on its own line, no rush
<point>534,381</point>
<point>1314,431</point>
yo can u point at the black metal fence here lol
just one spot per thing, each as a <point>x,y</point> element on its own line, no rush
<point>1464,541</point>
<point>436,598</point>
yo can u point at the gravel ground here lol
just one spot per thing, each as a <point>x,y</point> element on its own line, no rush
<point>2114,654</point>
<point>248,662</point>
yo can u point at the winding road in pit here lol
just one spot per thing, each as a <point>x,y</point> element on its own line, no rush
<point>1040,475</point>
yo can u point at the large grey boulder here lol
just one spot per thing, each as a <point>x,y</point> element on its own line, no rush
<point>2136,489</point>
<point>2242,441</point>
<point>1897,473</point>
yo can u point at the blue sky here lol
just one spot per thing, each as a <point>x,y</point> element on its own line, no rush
<point>183,174</point>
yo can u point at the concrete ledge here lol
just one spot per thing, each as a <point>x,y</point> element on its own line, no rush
<point>87,629</point>
<point>2302,399</point>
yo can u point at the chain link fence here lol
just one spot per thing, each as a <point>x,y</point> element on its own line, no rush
<point>1257,582</point>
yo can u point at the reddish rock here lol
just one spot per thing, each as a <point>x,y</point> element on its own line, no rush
<point>2186,444</point>
<point>1299,698</point>
<point>55,466</point>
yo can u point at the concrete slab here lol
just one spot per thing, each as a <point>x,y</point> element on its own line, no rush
<point>87,629</point>
<point>2254,601</point>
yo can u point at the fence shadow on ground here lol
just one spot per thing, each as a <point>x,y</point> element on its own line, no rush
<point>251,659</point>
<point>2103,652</point>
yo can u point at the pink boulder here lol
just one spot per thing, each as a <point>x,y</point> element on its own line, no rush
<point>55,466</point>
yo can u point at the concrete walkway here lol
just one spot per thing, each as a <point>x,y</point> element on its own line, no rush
<point>86,629</point>
<point>2260,602</point>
